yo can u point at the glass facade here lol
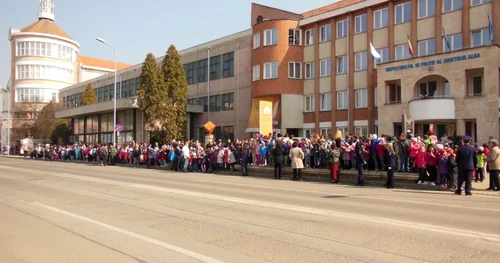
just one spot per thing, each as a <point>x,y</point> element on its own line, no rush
<point>45,72</point>
<point>43,49</point>
<point>99,128</point>
<point>35,95</point>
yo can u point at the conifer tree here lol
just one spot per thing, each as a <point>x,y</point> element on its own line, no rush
<point>177,87</point>
<point>154,99</point>
<point>89,96</point>
<point>45,123</point>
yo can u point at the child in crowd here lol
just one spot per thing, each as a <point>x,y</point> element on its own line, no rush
<point>420,165</point>
<point>443,168</point>
<point>481,158</point>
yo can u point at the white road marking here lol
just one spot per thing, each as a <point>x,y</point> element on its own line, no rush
<point>379,220</point>
<point>134,235</point>
<point>354,196</point>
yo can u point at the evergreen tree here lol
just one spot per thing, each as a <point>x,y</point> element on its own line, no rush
<point>89,96</point>
<point>154,100</point>
<point>177,87</point>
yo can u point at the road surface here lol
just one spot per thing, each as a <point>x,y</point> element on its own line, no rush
<point>66,212</point>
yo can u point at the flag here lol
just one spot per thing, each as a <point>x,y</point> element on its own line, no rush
<point>410,48</point>
<point>375,54</point>
<point>490,28</point>
<point>446,39</point>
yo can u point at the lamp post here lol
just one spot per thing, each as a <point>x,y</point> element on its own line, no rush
<point>114,96</point>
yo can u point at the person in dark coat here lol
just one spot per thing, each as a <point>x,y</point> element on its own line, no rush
<point>360,162</point>
<point>277,154</point>
<point>466,163</point>
<point>390,164</point>
<point>245,152</point>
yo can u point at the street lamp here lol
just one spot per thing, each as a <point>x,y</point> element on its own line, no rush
<point>114,96</point>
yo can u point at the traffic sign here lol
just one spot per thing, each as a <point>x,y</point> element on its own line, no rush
<point>118,128</point>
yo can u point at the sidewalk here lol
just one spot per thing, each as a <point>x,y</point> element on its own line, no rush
<point>347,177</point>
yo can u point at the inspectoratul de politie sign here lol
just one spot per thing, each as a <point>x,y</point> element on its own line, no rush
<point>434,62</point>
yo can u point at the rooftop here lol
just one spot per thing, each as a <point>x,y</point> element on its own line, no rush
<point>331,7</point>
<point>101,63</point>
<point>46,26</point>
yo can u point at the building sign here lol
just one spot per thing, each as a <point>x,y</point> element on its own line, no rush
<point>254,119</point>
<point>434,62</point>
<point>265,117</point>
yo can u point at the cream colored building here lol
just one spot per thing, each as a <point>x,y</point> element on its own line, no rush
<point>44,60</point>
<point>227,73</point>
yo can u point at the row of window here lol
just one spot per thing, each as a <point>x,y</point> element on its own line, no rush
<point>103,123</point>
<point>425,47</point>
<point>361,100</point>
<point>33,48</point>
<point>45,72</point>
<point>358,131</point>
<point>221,66</point>
<point>402,14</point>
<point>219,102</point>
<point>35,95</point>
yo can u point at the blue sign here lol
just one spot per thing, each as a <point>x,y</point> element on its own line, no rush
<point>434,62</point>
<point>118,128</point>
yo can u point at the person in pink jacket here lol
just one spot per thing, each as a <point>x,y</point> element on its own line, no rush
<point>414,148</point>
<point>420,165</point>
<point>431,160</point>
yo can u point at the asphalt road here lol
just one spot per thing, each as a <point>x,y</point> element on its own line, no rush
<point>65,212</point>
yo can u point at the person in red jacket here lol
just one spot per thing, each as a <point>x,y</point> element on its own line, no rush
<point>420,165</point>
<point>431,160</point>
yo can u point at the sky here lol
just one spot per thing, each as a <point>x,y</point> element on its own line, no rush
<point>137,27</point>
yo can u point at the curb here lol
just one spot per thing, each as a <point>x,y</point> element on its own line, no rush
<point>373,178</point>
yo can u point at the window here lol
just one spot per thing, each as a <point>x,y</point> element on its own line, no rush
<point>375,97</point>
<point>452,5</point>
<point>384,56</point>
<point>325,101</point>
<point>475,85</point>
<point>403,13</point>
<point>427,47</point>
<point>188,70</point>
<point>361,130</point>
<point>228,65</point>
<point>361,23</point>
<point>326,131</point>
<point>215,67</point>
<point>294,70</point>
<point>271,37</point>
<point>256,41</point>
<point>393,94</point>
<point>480,37</point>
<point>307,133</point>
<point>427,89</point>
<point>309,103</point>
<point>360,61</point>
<point>341,100</point>
<point>342,28</point>
<point>325,33</point>
<point>271,70</point>
<point>228,101</point>
<point>447,89</point>
<point>402,52</point>
<point>426,8</point>
<point>45,72</point>
<point>342,65</point>
<point>294,37</point>
<point>455,42</point>
<point>361,97</point>
<point>202,70</point>
<point>325,67</point>
<point>256,73</point>
<point>478,2</point>
<point>310,37</point>
<point>381,18</point>
<point>31,48</point>
<point>310,70</point>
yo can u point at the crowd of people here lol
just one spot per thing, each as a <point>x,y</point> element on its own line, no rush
<point>446,162</point>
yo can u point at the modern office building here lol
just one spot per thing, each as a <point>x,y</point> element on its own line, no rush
<point>319,65</point>
<point>44,60</point>
<point>219,91</point>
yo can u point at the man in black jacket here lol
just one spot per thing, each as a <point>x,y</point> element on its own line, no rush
<point>277,154</point>
<point>466,163</point>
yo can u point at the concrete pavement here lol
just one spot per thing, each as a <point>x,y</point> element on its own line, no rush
<point>64,212</point>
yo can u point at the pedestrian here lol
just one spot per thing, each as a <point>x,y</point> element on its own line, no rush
<point>104,154</point>
<point>245,152</point>
<point>390,164</point>
<point>277,156</point>
<point>467,162</point>
<point>481,159</point>
<point>360,161</point>
<point>333,160</point>
<point>296,157</point>
<point>494,165</point>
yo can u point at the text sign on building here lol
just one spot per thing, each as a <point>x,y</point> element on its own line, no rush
<point>265,117</point>
<point>434,62</point>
